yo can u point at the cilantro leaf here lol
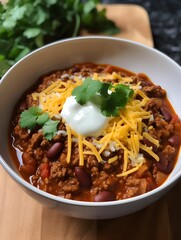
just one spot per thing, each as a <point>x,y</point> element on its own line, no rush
<point>116,100</point>
<point>109,98</point>
<point>87,90</point>
<point>104,90</point>
<point>51,20</point>
<point>42,119</point>
<point>35,116</point>
<point>50,129</point>
<point>28,118</point>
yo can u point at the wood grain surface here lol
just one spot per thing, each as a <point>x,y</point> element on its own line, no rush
<point>133,21</point>
<point>22,218</point>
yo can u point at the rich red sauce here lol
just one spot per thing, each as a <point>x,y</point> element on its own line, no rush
<point>59,178</point>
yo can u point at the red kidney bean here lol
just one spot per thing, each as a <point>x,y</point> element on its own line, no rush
<point>54,150</point>
<point>83,177</point>
<point>174,140</point>
<point>165,165</point>
<point>166,114</point>
<point>104,196</point>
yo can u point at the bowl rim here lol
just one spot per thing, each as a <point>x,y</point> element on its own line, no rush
<point>59,199</point>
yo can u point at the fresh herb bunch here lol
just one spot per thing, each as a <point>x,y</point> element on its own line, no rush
<point>28,24</point>
<point>109,98</point>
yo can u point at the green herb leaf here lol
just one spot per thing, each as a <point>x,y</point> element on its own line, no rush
<point>32,32</point>
<point>87,90</point>
<point>35,116</point>
<point>28,118</point>
<point>116,100</point>
<point>50,129</point>
<point>109,98</point>
<point>104,90</point>
<point>42,119</point>
<point>31,24</point>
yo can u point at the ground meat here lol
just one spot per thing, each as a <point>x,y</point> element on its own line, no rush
<point>45,144</point>
<point>21,132</point>
<point>57,170</point>
<point>57,176</point>
<point>168,151</point>
<point>105,181</point>
<point>154,105</point>
<point>134,186</point>
<point>38,154</point>
<point>70,186</point>
<point>154,91</point>
<point>164,129</point>
<point>91,161</point>
<point>30,101</point>
<point>35,141</point>
<point>141,77</point>
<point>47,80</point>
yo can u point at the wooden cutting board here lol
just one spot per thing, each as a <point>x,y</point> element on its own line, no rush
<point>22,218</point>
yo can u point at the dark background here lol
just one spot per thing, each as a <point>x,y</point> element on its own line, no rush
<point>165,20</point>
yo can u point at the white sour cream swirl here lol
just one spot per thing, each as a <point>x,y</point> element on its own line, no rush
<point>86,120</point>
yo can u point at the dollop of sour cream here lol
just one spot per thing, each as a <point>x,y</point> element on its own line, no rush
<point>86,120</point>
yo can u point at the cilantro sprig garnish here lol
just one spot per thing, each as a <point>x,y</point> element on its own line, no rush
<point>109,98</point>
<point>34,116</point>
<point>50,129</point>
<point>87,90</point>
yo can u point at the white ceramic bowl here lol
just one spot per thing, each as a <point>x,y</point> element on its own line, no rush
<point>126,54</point>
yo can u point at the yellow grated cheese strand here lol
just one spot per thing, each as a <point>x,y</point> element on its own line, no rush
<point>113,159</point>
<point>81,155</point>
<point>35,96</point>
<point>125,161</point>
<point>104,139</point>
<point>133,145</point>
<point>124,174</point>
<point>149,151</point>
<point>122,146</point>
<point>52,98</point>
<point>94,150</point>
<point>125,119</point>
<point>52,86</point>
<point>151,139</point>
<point>137,144</point>
<point>108,139</point>
<point>142,94</point>
<point>122,79</point>
<point>69,143</point>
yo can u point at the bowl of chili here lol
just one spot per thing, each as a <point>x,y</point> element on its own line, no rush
<point>92,125</point>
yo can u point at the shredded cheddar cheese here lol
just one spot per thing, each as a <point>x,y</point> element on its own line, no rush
<point>69,143</point>
<point>151,139</point>
<point>52,98</point>
<point>108,139</point>
<point>124,132</point>
<point>81,156</point>
<point>113,159</point>
<point>124,174</point>
<point>94,151</point>
<point>149,151</point>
